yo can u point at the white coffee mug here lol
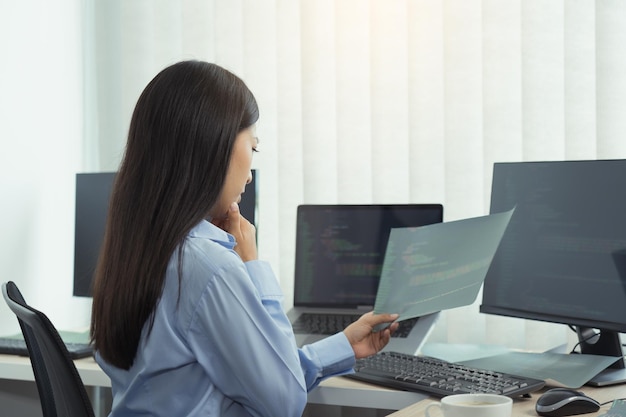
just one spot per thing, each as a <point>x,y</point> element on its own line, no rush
<point>473,405</point>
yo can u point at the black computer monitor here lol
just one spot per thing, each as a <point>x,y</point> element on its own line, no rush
<point>562,258</point>
<point>92,199</point>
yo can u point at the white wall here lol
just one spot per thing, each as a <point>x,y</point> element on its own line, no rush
<point>41,123</point>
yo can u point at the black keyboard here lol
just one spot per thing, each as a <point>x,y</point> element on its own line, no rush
<point>437,377</point>
<point>328,324</point>
<point>14,346</point>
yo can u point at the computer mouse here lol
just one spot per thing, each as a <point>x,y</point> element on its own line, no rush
<point>558,402</point>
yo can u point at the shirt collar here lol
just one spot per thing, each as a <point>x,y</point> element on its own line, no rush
<point>207,230</point>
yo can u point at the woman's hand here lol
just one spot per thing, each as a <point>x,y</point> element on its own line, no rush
<point>365,342</point>
<point>243,231</point>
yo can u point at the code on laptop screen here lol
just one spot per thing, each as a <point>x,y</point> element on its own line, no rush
<point>340,249</point>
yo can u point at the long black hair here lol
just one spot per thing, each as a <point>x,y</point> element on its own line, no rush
<point>179,145</point>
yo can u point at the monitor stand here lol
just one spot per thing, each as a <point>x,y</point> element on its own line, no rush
<point>605,343</point>
<point>609,376</point>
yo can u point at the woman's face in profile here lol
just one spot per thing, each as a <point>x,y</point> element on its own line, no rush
<point>239,172</point>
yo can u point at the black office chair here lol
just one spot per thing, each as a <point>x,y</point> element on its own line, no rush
<point>61,390</point>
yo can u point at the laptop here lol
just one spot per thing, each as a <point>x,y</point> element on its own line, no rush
<point>77,348</point>
<point>339,256</point>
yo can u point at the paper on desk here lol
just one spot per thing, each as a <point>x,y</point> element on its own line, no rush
<point>74,336</point>
<point>457,352</point>
<point>439,266</point>
<point>568,370</point>
<point>618,409</point>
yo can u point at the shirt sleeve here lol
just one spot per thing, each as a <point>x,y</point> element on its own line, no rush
<point>243,339</point>
<point>331,356</point>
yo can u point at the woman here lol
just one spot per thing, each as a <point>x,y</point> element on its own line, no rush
<point>186,321</point>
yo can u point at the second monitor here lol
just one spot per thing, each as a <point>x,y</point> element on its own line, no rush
<point>563,257</point>
<point>92,201</point>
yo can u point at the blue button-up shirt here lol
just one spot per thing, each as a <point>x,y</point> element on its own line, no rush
<point>224,347</point>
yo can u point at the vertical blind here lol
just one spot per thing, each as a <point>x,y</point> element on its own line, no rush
<point>378,101</point>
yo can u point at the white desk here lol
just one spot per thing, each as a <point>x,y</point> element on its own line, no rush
<point>350,393</point>
<point>526,406</point>
<point>18,368</point>
<point>334,391</point>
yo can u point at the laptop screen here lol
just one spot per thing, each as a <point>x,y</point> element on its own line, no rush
<point>340,250</point>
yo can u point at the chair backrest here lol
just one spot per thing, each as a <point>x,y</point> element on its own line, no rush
<point>60,388</point>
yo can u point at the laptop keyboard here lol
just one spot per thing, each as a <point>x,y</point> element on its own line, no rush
<point>14,346</point>
<point>328,324</point>
<point>437,377</point>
